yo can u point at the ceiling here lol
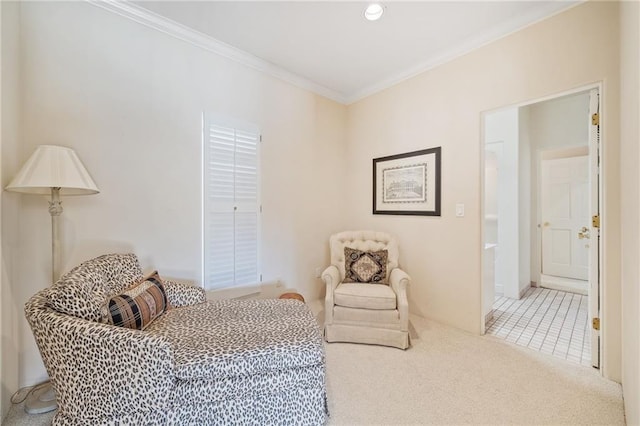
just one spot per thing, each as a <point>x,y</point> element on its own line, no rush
<point>340,54</point>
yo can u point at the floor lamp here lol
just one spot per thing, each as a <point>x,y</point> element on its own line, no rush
<point>54,170</point>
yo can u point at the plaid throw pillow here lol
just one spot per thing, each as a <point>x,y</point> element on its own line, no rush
<point>138,305</point>
<point>365,267</point>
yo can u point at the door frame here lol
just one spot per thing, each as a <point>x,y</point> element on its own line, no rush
<point>600,201</point>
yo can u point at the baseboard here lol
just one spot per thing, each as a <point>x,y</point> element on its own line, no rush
<point>524,290</point>
<point>488,317</point>
<point>564,284</point>
<point>265,290</point>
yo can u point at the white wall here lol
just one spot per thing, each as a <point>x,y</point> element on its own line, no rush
<point>442,107</point>
<point>492,157</point>
<point>10,305</point>
<point>491,161</point>
<point>555,124</point>
<point>129,100</point>
<point>508,130</point>
<point>524,201</point>
<point>501,137</point>
<point>630,181</point>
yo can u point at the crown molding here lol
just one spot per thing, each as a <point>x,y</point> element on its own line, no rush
<point>203,41</point>
<point>167,26</point>
<point>498,32</point>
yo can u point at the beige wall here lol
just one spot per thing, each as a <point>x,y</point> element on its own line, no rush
<point>630,184</point>
<point>10,307</point>
<point>129,100</point>
<point>442,107</point>
<point>560,123</point>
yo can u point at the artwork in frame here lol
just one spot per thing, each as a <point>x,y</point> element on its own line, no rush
<point>407,184</point>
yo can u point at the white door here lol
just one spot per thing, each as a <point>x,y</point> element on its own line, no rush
<point>565,217</point>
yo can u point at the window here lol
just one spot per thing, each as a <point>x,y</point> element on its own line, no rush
<point>231,203</point>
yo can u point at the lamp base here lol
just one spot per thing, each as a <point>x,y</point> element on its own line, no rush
<point>41,399</point>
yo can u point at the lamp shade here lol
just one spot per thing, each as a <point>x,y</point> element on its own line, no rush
<point>53,166</point>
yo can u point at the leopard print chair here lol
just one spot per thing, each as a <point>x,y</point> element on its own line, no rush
<point>199,363</point>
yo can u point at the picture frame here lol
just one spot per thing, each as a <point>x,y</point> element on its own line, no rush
<point>408,183</point>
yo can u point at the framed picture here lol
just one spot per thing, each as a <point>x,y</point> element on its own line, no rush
<point>407,184</point>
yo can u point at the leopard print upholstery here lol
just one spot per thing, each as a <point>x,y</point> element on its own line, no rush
<point>248,362</point>
<point>82,291</point>
<point>180,294</point>
<point>229,338</point>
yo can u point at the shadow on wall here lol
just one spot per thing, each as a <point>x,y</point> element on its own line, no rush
<point>84,250</point>
<point>9,343</point>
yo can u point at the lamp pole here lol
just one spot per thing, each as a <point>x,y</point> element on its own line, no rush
<point>55,210</point>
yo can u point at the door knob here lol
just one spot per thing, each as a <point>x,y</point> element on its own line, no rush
<point>583,233</point>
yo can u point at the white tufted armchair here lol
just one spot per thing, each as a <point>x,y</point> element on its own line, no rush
<point>360,312</point>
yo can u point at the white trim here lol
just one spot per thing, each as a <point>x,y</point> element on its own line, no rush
<point>167,26</point>
<point>564,284</point>
<point>234,292</point>
<point>524,290</point>
<point>157,22</point>
<point>497,32</point>
<point>488,317</point>
<point>574,91</point>
<point>202,203</point>
<point>252,291</point>
<point>596,252</point>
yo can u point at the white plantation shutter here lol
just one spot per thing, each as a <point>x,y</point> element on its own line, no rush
<point>231,193</point>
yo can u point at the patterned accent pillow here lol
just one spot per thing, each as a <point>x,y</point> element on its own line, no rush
<point>138,305</point>
<point>365,267</point>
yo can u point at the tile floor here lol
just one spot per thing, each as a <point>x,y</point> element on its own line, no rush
<point>549,321</point>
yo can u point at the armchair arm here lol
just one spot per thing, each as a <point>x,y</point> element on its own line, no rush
<point>102,371</point>
<point>399,280</point>
<point>181,294</point>
<point>331,277</point>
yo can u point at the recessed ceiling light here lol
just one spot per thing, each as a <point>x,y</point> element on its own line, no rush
<point>374,11</point>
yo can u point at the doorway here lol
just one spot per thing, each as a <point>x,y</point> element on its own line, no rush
<point>564,220</point>
<point>540,228</point>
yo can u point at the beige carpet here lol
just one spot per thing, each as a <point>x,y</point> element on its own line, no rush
<point>452,377</point>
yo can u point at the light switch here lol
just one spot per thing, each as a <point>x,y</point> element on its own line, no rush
<point>459,210</point>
